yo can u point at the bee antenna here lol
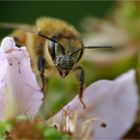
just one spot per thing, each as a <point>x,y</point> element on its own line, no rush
<point>76,51</point>
<point>96,47</point>
<point>46,37</point>
<point>91,47</point>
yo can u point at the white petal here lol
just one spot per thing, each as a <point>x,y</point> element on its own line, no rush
<point>7,43</point>
<point>3,64</point>
<point>115,102</point>
<point>22,84</point>
<point>3,69</point>
<point>118,108</point>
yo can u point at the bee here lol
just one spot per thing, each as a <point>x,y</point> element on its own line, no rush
<point>52,44</point>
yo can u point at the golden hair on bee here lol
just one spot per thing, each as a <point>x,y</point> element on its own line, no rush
<point>53,44</point>
<point>58,26</point>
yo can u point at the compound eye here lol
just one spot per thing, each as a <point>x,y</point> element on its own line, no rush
<point>51,48</point>
<point>55,49</point>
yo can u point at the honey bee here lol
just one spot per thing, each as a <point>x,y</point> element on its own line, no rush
<point>52,44</point>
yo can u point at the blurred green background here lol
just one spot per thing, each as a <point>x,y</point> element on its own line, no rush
<point>71,11</point>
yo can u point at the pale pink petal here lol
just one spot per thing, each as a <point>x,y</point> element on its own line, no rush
<point>3,64</point>
<point>22,83</point>
<point>120,108</point>
<point>114,102</point>
<point>3,69</point>
<point>22,95</point>
<point>7,43</point>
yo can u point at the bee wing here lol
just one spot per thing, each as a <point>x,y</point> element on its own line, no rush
<point>24,27</point>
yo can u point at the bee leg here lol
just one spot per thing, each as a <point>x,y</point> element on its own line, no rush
<point>43,81</point>
<point>81,80</point>
<point>41,64</point>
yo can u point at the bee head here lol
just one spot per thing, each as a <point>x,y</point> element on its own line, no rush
<point>64,57</point>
